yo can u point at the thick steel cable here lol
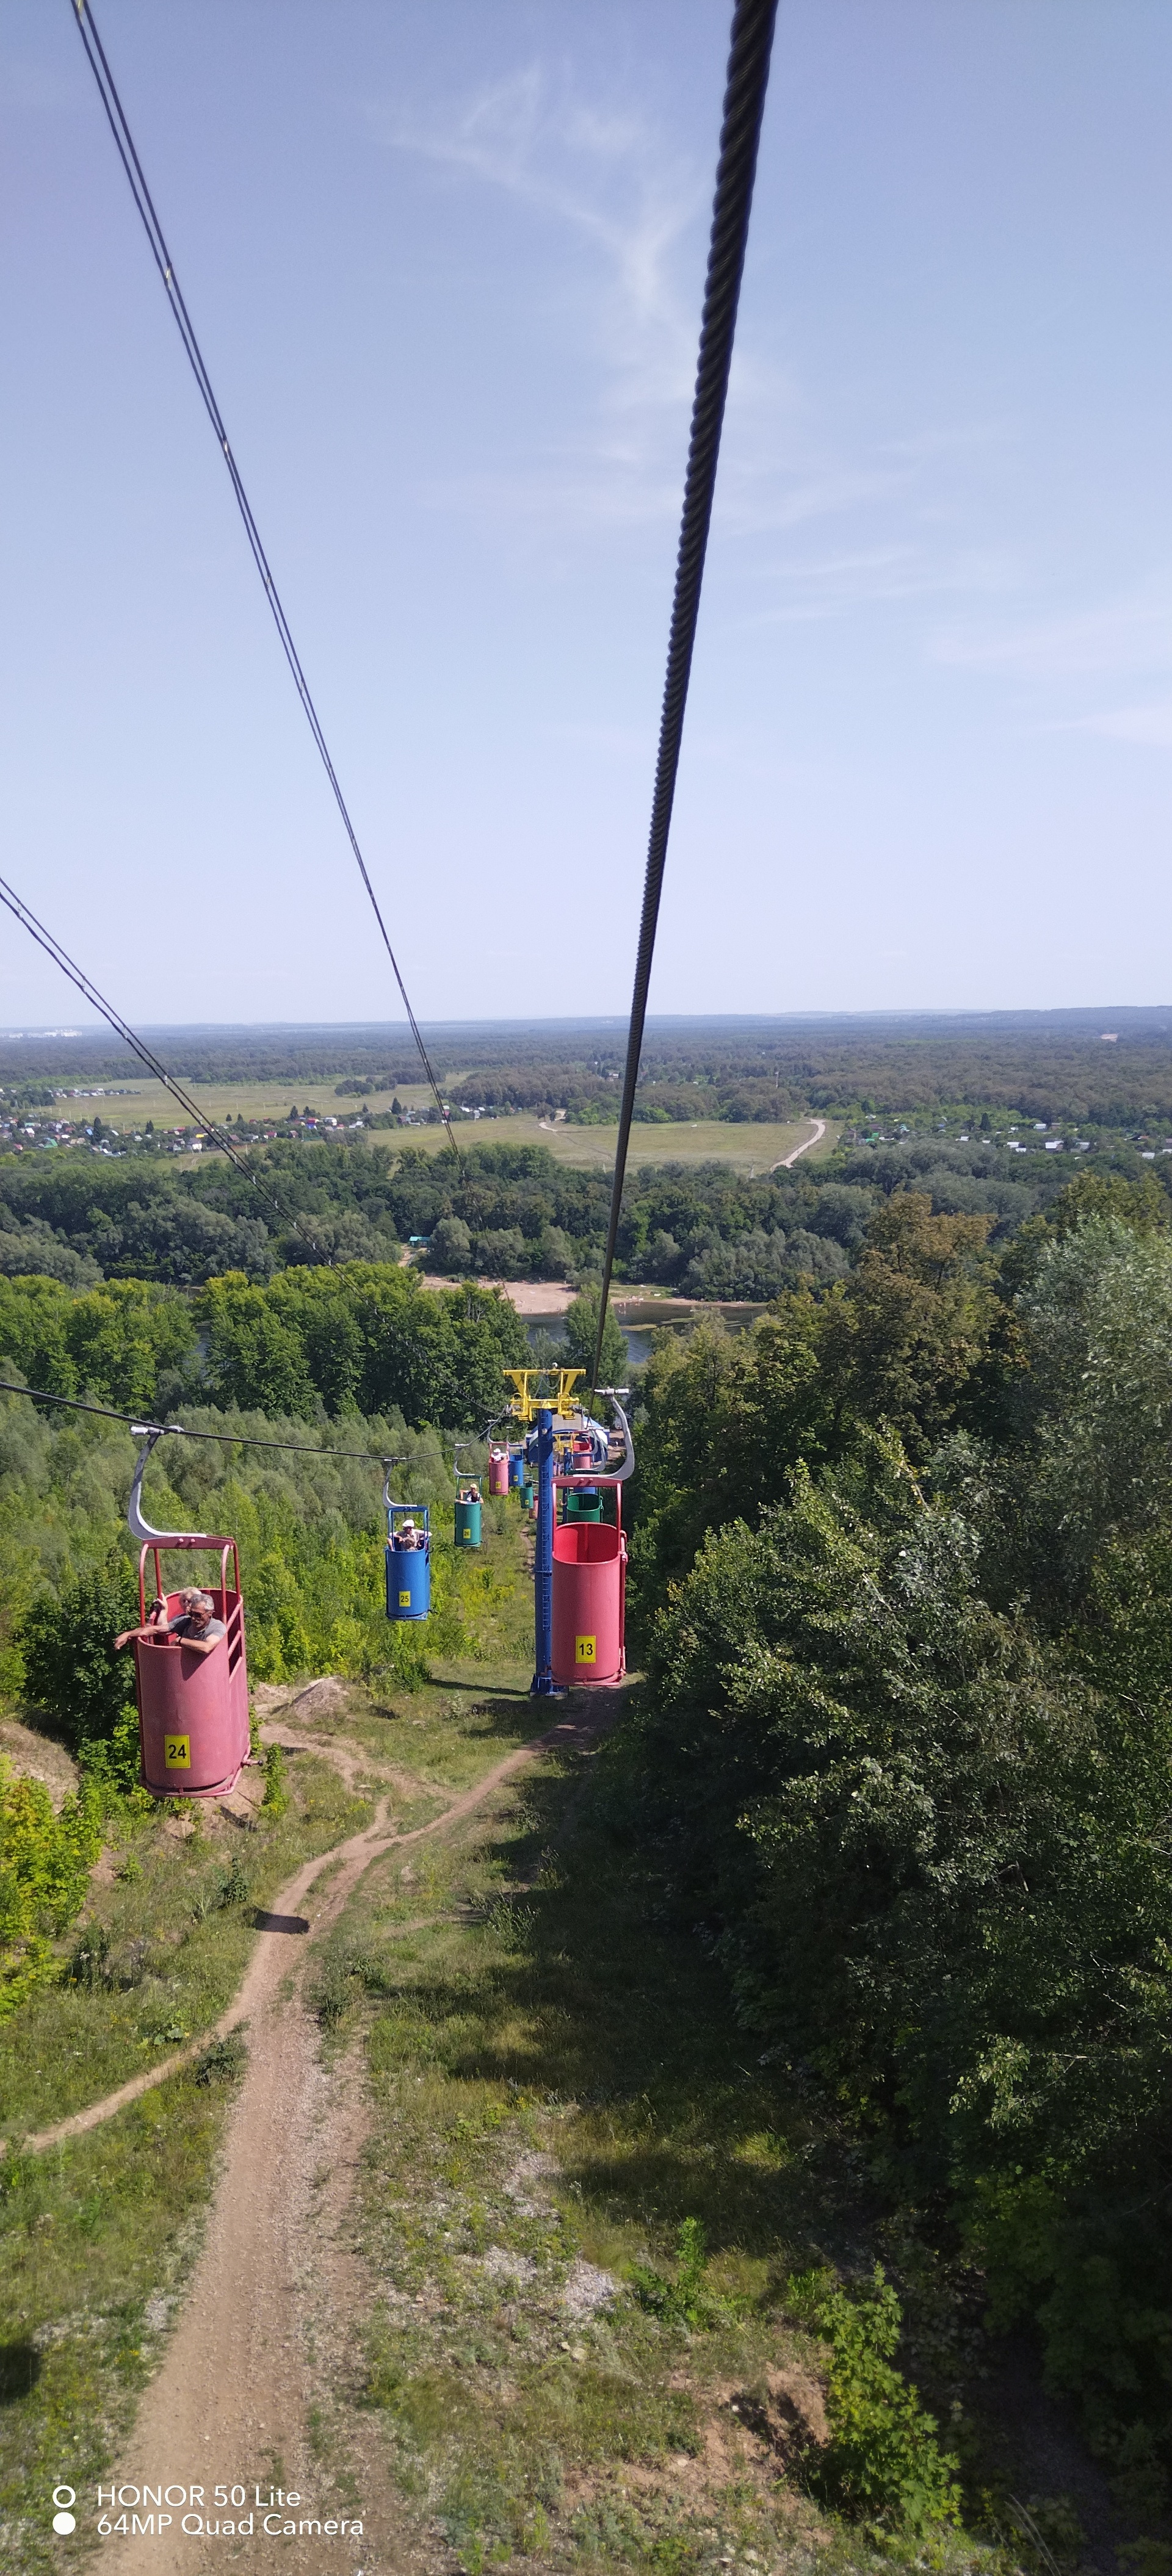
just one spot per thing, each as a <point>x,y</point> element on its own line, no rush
<point>116,114</point>
<point>750,45</point>
<point>89,992</point>
<point>240,1439</point>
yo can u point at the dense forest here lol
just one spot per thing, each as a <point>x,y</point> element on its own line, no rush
<point>361,1338</point>
<point>1111,1068</point>
<point>509,1212</point>
<point>901,1583</point>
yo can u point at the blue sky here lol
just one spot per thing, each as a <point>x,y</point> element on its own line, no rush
<point>445,261</point>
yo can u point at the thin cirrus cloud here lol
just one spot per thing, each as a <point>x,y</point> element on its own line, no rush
<point>1121,639</point>
<point>1150,724</point>
<point>637,208</point>
<point>1130,633</point>
<point>608,178</point>
<point>879,576</point>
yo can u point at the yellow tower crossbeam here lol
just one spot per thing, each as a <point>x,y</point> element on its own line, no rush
<point>533,1391</point>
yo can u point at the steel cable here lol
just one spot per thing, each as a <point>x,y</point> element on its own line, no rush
<point>116,114</point>
<point>237,1439</point>
<point>122,1029</point>
<point>750,46</point>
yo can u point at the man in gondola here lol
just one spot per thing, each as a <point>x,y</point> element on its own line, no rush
<point>194,1626</point>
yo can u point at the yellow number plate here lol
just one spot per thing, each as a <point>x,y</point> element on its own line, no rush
<point>177,1752</point>
<point>404,1601</point>
<point>585,1650</point>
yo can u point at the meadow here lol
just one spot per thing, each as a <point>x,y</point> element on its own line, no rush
<point>751,1146</point>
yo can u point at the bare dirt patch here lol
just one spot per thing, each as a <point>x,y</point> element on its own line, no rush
<point>326,1697</point>
<point>36,1757</point>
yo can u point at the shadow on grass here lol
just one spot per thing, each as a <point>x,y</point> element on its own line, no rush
<point>487,1718</point>
<point>20,2369</point>
<point>475,1689</point>
<point>588,1994</point>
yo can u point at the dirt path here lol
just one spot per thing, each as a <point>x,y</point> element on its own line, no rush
<point>233,2390</point>
<point>819,1127</point>
<point>270,1959</point>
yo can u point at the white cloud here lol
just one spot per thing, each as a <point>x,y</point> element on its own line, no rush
<point>610,181</point>
<point>610,178</point>
<point>1130,633</point>
<point>1150,724</point>
<point>881,575</point>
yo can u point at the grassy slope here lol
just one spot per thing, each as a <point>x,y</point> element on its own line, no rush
<point>98,2235</point>
<point>176,1954</point>
<point>557,2082</point>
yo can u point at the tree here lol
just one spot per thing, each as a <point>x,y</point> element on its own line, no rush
<point>71,1669</point>
<point>916,1319</point>
<point>254,1358</point>
<point>1083,1460</point>
<point>451,1245</point>
<point>582,1332</point>
<point>936,1840</point>
<point>502,1253</point>
<point>130,1343</point>
<point>45,1861</point>
<point>367,1335</point>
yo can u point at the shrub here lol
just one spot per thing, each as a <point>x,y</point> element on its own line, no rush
<point>71,1668</point>
<point>223,2061</point>
<point>276,1796</point>
<point>883,2462</point>
<point>684,2301</point>
<point>45,1861</point>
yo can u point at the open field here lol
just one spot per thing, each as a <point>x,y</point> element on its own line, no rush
<point>133,1102</point>
<point>749,1147</point>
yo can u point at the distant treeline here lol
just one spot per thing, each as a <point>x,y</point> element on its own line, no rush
<point>1111,1069</point>
<point>514,1213</point>
<point>591,1099</point>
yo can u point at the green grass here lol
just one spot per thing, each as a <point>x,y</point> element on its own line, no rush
<point>96,2240</point>
<point>747,1146</point>
<point>557,2081</point>
<point>161,1949</point>
<point>97,2235</point>
<point>461,1724</point>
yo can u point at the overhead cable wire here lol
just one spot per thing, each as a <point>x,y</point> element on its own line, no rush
<point>127,153</point>
<point>239,1439</point>
<point>146,1055</point>
<point>750,45</point>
